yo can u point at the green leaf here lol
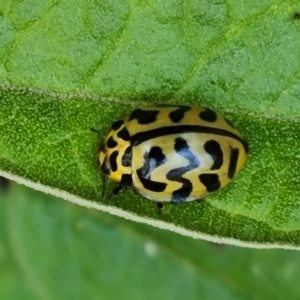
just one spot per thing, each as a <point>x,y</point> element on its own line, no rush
<point>103,59</point>
<point>51,249</point>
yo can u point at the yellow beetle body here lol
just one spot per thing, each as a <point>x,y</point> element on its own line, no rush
<point>173,153</point>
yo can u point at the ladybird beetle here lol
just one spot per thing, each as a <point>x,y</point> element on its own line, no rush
<point>172,153</point>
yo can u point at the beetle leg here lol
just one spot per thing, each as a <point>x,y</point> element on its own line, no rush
<point>117,190</point>
<point>96,131</point>
<point>136,192</point>
<point>159,206</point>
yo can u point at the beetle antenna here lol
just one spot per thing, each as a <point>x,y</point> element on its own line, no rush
<point>96,131</point>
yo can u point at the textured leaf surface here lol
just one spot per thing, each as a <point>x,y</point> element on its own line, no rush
<point>243,60</point>
<point>51,249</point>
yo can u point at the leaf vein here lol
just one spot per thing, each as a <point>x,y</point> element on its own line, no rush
<point>222,39</point>
<point>110,49</point>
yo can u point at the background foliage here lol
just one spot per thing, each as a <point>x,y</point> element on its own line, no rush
<point>51,249</point>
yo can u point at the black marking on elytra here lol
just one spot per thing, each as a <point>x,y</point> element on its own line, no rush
<point>141,137</point>
<point>144,117</point>
<point>150,184</point>
<point>182,193</point>
<point>113,161</point>
<point>181,147</point>
<point>229,123</point>
<point>208,115</point>
<point>152,160</point>
<point>126,180</point>
<point>210,181</point>
<point>124,134</point>
<point>234,155</point>
<point>213,148</point>
<point>156,153</point>
<point>111,143</point>
<point>126,158</point>
<point>116,125</point>
<point>104,168</point>
<point>178,114</point>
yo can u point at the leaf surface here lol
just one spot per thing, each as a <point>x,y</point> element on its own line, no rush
<point>66,66</point>
<point>51,249</point>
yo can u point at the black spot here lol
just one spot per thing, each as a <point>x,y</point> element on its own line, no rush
<point>126,158</point>
<point>208,115</point>
<point>116,125</point>
<point>157,154</point>
<point>104,168</point>
<point>182,149</point>
<point>180,144</point>
<point>234,155</point>
<point>153,159</point>
<point>178,114</point>
<point>113,161</point>
<point>124,134</point>
<point>144,117</point>
<point>213,148</point>
<point>296,16</point>
<point>111,143</point>
<point>210,181</point>
<point>126,180</point>
<point>228,122</point>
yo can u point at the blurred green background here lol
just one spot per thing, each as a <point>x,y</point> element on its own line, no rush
<point>52,249</point>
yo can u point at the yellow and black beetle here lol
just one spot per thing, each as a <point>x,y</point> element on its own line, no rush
<point>172,153</point>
